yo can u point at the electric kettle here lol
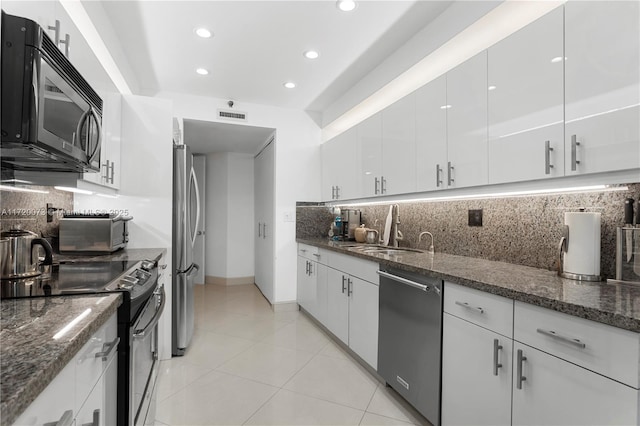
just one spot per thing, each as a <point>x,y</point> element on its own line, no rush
<point>17,258</point>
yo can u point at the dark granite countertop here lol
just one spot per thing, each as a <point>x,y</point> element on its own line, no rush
<point>616,304</point>
<point>30,358</point>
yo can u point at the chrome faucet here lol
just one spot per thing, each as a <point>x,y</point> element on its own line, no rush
<point>431,249</point>
<point>396,235</point>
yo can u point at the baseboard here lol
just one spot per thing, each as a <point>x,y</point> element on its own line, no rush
<point>228,281</point>
<point>285,306</point>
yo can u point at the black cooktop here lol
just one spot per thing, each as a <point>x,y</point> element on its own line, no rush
<point>67,278</point>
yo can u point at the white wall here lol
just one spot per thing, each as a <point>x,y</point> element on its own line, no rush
<point>297,165</point>
<point>230,213</point>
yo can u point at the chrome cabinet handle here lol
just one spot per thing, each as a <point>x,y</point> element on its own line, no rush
<point>56,32</point>
<point>520,378</point>
<point>337,192</point>
<point>466,305</point>
<point>259,229</point>
<point>554,335</point>
<point>574,154</point>
<point>316,254</point>
<point>107,349</point>
<point>113,172</point>
<point>333,192</point>
<point>450,179</point>
<point>65,420</point>
<point>67,44</point>
<point>344,279</point>
<point>496,347</point>
<point>383,185</point>
<point>310,268</point>
<point>264,231</point>
<point>547,157</point>
<point>377,183</point>
<point>349,287</point>
<point>307,270</point>
<point>438,180</point>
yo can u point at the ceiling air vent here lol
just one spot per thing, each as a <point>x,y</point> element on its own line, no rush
<point>232,115</point>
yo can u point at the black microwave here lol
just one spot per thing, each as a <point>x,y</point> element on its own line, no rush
<point>51,117</point>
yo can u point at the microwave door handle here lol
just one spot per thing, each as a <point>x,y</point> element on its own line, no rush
<point>83,118</point>
<point>96,150</point>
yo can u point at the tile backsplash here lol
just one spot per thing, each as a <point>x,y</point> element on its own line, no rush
<point>28,210</point>
<point>524,230</point>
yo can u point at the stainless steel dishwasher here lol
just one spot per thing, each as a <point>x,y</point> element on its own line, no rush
<point>410,338</point>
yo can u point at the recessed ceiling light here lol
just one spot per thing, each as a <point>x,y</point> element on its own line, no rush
<point>203,32</point>
<point>491,88</point>
<point>289,85</point>
<point>311,54</point>
<point>346,5</point>
<point>558,59</point>
<point>202,71</point>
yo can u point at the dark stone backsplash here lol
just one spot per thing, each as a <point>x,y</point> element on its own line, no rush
<point>523,230</point>
<point>27,210</point>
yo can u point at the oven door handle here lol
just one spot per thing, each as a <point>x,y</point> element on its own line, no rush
<point>141,334</point>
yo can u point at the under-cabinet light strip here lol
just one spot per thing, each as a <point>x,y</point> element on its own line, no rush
<point>507,194</point>
<point>20,189</point>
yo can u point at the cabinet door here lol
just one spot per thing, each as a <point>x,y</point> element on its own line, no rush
<point>431,135</point>
<point>370,148</point>
<point>304,289</point>
<point>399,147</point>
<point>472,392</point>
<point>557,392</point>
<point>602,86</point>
<point>339,167</point>
<point>100,407</point>
<point>363,320</point>
<point>321,292</point>
<point>338,304</point>
<point>467,123</point>
<point>526,102</point>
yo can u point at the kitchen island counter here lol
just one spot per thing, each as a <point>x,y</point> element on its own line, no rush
<point>30,355</point>
<point>615,304</point>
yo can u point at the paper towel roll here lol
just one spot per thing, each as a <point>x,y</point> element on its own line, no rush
<point>583,251</point>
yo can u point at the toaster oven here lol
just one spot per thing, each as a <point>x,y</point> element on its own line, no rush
<point>93,233</point>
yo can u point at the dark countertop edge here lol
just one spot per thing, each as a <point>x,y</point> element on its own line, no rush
<point>581,311</point>
<point>19,400</point>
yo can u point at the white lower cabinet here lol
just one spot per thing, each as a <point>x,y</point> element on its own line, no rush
<point>85,391</point>
<point>338,284</point>
<point>363,320</point>
<point>556,370</point>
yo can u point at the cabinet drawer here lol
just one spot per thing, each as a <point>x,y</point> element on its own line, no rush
<point>307,251</point>
<point>363,269</point>
<point>484,309</point>
<point>607,350</point>
<point>89,365</point>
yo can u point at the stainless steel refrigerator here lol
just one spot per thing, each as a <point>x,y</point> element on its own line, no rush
<point>186,217</point>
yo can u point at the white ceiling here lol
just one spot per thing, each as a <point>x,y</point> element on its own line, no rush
<point>205,137</point>
<point>256,47</point>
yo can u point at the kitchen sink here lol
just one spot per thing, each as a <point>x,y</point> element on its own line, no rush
<point>383,250</point>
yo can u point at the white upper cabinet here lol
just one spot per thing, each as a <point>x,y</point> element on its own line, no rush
<point>602,95</point>
<point>467,123</point>
<point>526,102</point>
<point>340,167</point>
<point>370,148</point>
<point>399,147</point>
<point>431,135</point>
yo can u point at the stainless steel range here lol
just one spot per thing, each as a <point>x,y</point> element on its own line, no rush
<point>143,303</point>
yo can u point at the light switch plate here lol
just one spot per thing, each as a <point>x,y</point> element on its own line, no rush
<point>289,216</point>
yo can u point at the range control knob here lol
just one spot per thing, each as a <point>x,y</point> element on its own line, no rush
<point>125,285</point>
<point>148,265</point>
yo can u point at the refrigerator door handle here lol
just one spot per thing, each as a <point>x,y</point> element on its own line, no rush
<point>190,271</point>
<point>194,182</point>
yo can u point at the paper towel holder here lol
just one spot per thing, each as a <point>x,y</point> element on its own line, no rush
<point>563,248</point>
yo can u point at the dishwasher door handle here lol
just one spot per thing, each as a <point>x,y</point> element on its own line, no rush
<point>413,284</point>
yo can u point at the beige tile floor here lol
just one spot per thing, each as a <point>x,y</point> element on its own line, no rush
<point>250,366</point>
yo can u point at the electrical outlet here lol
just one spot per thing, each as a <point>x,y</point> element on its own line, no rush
<point>475,217</point>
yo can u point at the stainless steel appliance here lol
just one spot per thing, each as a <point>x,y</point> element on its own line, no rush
<point>410,338</point>
<point>51,116</point>
<point>17,254</point>
<point>142,306</point>
<point>96,233</point>
<point>186,217</point>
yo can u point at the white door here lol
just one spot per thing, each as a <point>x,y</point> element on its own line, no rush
<point>370,148</point>
<point>338,304</point>
<point>265,226</point>
<point>431,135</point>
<point>474,391</point>
<point>467,123</point>
<point>602,96</point>
<point>363,320</point>
<point>526,102</point>
<point>399,146</point>
<point>557,392</point>
<point>199,167</point>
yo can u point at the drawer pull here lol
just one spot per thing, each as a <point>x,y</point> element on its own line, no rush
<point>496,347</point>
<point>107,349</point>
<point>466,305</point>
<point>316,254</point>
<point>554,335</point>
<point>520,378</point>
